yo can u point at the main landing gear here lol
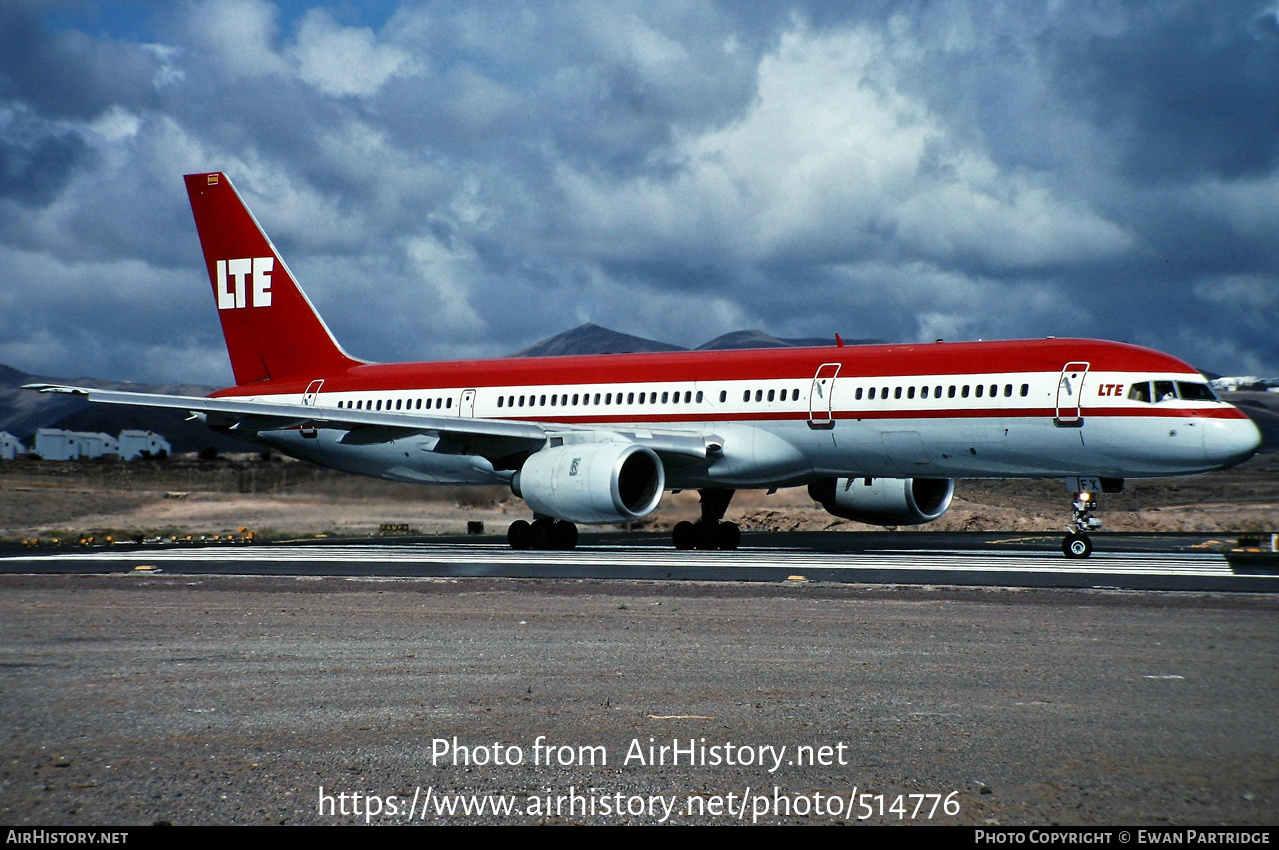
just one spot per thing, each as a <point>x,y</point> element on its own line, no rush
<point>709,532</point>
<point>1077,543</point>
<point>542,533</point>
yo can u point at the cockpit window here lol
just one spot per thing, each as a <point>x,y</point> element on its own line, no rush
<point>1156,391</point>
<point>1195,392</point>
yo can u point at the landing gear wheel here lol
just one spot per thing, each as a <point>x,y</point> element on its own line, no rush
<point>565,535</point>
<point>550,533</point>
<point>544,533</point>
<point>520,534</point>
<point>728,536</point>
<point>684,536</point>
<point>1076,545</point>
<point>709,532</point>
<point>707,538</point>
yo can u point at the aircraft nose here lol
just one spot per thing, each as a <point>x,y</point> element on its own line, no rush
<point>1230,441</point>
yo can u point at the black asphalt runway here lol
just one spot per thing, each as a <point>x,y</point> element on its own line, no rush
<point>1128,561</point>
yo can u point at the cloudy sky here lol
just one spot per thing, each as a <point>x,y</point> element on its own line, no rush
<point>460,179</point>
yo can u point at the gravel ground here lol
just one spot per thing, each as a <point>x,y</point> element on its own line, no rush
<point>143,698</point>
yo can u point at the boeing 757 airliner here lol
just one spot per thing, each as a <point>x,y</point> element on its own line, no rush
<point>877,433</point>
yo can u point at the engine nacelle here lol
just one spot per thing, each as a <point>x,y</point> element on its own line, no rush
<point>592,482</point>
<point>885,501</point>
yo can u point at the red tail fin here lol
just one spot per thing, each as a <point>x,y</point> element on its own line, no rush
<point>272,331</point>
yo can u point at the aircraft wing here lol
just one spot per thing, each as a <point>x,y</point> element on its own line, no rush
<point>365,427</point>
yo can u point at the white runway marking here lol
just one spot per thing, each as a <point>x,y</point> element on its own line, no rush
<point>794,560</point>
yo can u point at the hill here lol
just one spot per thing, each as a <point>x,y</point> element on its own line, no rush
<point>23,411</point>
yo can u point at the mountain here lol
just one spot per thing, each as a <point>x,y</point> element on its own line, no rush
<point>759,339</point>
<point>592,339</point>
<point>23,411</point>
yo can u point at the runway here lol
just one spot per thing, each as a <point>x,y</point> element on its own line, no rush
<point>978,560</point>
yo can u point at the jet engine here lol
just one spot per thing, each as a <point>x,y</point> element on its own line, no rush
<point>885,501</point>
<point>592,482</point>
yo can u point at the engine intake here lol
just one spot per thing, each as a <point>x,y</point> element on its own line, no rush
<point>592,483</point>
<point>885,501</point>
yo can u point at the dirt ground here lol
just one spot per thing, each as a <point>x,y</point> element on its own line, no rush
<point>281,498</point>
<point>136,699</point>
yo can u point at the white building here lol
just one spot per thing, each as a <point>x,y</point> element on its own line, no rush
<point>57,444</point>
<point>135,444</point>
<point>10,446</point>
<point>96,444</point>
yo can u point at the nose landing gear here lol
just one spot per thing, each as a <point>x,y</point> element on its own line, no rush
<point>1077,543</point>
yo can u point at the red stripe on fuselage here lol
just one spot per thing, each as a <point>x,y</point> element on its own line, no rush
<point>798,364</point>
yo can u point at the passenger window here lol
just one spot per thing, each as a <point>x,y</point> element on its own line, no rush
<point>910,392</point>
<point>794,396</point>
<point>994,390</point>
<point>979,390</point>
<point>1025,390</point>
<point>1008,390</point>
<point>897,393</point>
<point>665,396</point>
<point>759,395</point>
<point>871,395</point>
<point>699,396</point>
<point>723,396</point>
<point>964,391</point>
<point>923,392</point>
<point>630,398</point>
<point>951,392</point>
<point>688,396</point>
<point>449,404</point>
<point>499,401</point>
<point>858,394</point>
<point>937,392</point>
<point>771,394</point>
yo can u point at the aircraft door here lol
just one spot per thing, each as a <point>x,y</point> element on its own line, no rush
<point>1070,394</point>
<point>312,392</point>
<point>467,407</point>
<point>821,396</point>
